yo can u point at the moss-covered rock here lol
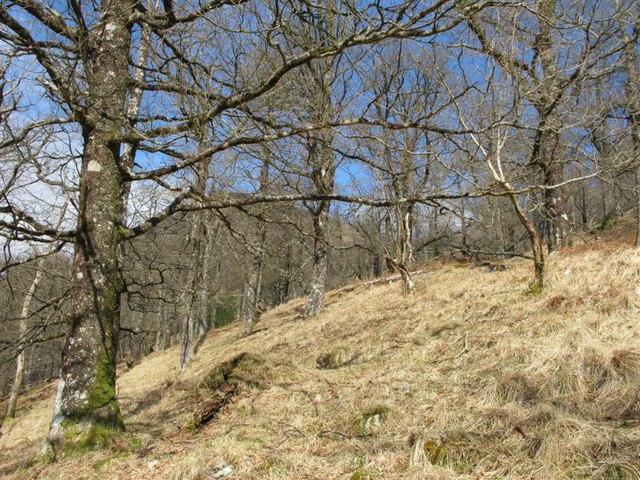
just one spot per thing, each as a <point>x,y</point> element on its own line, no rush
<point>222,383</point>
<point>244,369</point>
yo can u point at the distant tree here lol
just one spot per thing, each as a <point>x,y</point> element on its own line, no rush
<point>253,282</point>
<point>631,59</point>
<point>402,158</point>
<point>25,314</point>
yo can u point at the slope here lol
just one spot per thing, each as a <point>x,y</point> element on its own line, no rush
<point>469,377</point>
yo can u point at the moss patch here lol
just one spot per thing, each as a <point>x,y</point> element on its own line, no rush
<point>435,451</point>
<point>364,474</point>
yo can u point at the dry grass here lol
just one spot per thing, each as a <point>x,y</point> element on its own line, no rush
<point>470,376</point>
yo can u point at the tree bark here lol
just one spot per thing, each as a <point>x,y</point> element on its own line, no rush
<point>555,207</point>
<point>584,208</point>
<point>324,178</point>
<point>252,288</point>
<point>86,405</point>
<point>323,175</point>
<point>433,230</point>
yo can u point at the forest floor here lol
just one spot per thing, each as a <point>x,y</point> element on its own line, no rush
<point>469,377</point>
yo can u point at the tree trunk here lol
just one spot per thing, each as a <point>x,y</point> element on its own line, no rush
<point>464,244</point>
<point>548,135</point>
<point>376,266</point>
<point>555,207</point>
<point>404,245</point>
<point>408,284</point>
<point>536,245</point>
<point>584,208</point>
<point>285,288</point>
<point>254,281</point>
<point>252,287</point>
<point>196,298</point>
<point>433,230</point>
<point>320,261</point>
<point>86,407</point>
<point>323,176</point>
<point>321,158</point>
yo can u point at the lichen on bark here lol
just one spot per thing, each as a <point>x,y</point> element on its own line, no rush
<point>86,411</point>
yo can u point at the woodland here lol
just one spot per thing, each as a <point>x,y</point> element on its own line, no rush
<point>168,167</point>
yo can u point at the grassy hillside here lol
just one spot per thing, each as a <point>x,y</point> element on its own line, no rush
<point>470,377</point>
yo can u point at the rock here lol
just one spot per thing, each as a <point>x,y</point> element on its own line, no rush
<point>222,471</point>
<point>372,419</point>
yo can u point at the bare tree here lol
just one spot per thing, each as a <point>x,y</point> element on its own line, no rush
<point>404,157</point>
<point>562,51</point>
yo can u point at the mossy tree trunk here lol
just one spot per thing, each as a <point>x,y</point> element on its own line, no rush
<point>86,400</point>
